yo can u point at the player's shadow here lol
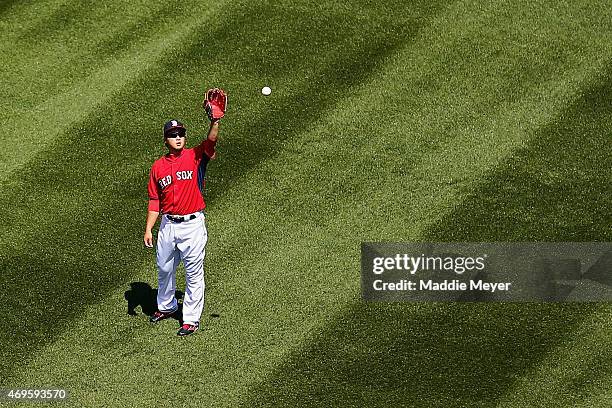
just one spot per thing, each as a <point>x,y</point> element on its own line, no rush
<point>143,295</point>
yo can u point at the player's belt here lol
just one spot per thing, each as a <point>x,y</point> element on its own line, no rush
<point>181,218</point>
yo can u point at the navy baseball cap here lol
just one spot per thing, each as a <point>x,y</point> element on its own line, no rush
<point>174,125</point>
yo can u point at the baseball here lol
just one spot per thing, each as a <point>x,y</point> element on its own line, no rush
<point>266,90</point>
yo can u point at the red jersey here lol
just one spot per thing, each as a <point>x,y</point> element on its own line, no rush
<point>176,182</point>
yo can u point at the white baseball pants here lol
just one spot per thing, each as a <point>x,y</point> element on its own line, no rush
<point>184,241</point>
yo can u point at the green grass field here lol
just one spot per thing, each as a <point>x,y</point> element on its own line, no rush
<point>388,121</point>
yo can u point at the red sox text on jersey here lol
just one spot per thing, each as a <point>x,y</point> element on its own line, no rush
<point>176,182</point>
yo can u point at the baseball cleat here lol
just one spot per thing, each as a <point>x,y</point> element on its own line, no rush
<point>159,316</point>
<point>188,329</point>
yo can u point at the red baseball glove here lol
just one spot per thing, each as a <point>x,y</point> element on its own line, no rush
<point>215,103</point>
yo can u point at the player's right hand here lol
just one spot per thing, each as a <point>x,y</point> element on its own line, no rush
<point>148,239</point>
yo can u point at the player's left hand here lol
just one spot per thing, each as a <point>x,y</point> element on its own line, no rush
<point>215,104</point>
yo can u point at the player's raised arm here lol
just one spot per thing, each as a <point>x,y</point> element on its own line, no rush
<point>213,131</point>
<point>215,105</point>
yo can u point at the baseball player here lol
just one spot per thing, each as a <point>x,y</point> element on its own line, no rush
<point>176,184</point>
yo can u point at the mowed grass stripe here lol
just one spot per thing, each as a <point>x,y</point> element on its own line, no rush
<point>456,355</point>
<point>418,355</point>
<point>455,173</point>
<point>95,201</point>
<point>96,79</point>
<point>65,42</point>
<point>6,5</point>
<point>554,190</point>
<point>295,233</point>
<point>576,373</point>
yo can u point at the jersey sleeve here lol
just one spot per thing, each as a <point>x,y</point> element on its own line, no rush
<point>153,189</point>
<point>207,147</point>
